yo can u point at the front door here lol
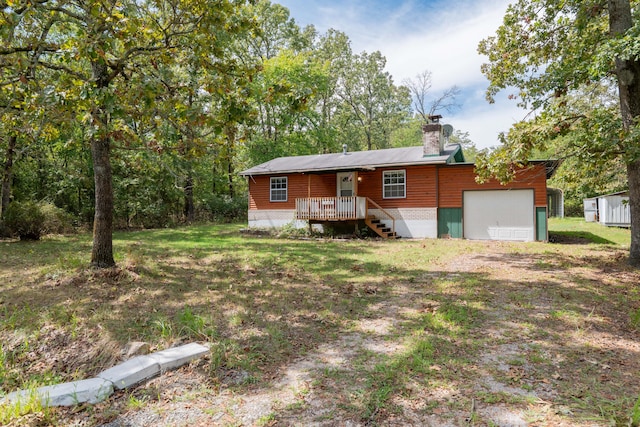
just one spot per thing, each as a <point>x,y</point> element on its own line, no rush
<point>345,184</point>
<point>345,204</point>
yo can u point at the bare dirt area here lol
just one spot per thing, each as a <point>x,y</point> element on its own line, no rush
<point>491,338</point>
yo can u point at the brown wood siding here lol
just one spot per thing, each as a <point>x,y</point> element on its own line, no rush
<point>298,187</point>
<point>454,179</point>
<point>323,185</point>
<point>420,187</point>
<point>260,188</point>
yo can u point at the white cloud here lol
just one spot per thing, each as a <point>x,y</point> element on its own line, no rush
<point>443,42</point>
<point>485,121</point>
<point>417,35</point>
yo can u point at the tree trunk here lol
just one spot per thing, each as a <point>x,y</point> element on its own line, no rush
<point>633,175</point>
<point>102,253</point>
<point>230,131</point>
<point>230,179</point>
<point>189,206</point>
<point>628,74</point>
<point>7,174</point>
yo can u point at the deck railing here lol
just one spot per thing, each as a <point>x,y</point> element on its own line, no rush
<point>331,208</point>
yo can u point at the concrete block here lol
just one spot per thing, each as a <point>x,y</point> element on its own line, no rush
<point>178,356</point>
<point>131,372</point>
<point>93,391</point>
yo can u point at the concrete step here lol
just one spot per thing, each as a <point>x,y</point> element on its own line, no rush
<point>131,372</point>
<point>121,376</point>
<point>93,390</point>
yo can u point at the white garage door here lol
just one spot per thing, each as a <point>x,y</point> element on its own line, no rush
<point>498,215</point>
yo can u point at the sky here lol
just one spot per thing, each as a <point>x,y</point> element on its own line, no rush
<point>440,36</point>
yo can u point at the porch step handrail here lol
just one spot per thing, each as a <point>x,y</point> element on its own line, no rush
<point>378,207</point>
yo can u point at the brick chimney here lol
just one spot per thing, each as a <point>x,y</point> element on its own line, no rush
<point>432,139</point>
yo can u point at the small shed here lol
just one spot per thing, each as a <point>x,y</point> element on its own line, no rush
<point>614,209</point>
<point>590,209</point>
<point>611,210</point>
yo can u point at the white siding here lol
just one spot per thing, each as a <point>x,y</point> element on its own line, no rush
<point>614,210</point>
<point>499,215</point>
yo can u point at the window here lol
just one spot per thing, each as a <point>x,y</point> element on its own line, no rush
<point>393,184</point>
<point>278,189</point>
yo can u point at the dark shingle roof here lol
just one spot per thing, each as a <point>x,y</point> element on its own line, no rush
<point>357,160</point>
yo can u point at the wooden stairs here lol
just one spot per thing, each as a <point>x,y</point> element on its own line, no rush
<point>380,228</point>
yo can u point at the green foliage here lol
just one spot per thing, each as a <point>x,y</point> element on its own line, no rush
<point>579,181</point>
<point>11,413</point>
<point>635,318</point>
<point>56,220</point>
<point>290,230</point>
<point>545,47</point>
<point>559,56</point>
<point>198,95</point>
<point>635,414</point>
<point>224,208</point>
<point>410,323</point>
<point>25,219</point>
<point>373,105</point>
<point>126,75</point>
<point>592,232</point>
<point>30,220</point>
<point>195,326</point>
<point>408,135</point>
<point>469,148</point>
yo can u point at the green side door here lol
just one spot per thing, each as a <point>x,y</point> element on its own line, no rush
<point>541,224</point>
<point>450,222</point>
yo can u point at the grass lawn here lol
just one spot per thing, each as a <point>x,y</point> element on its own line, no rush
<point>328,332</point>
<point>587,232</point>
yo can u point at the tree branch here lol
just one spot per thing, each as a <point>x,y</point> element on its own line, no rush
<point>28,48</point>
<point>68,13</point>
<point>68,70</point>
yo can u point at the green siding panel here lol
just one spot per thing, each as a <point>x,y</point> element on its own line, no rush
<point>450,222</point>
<point>541,224</point>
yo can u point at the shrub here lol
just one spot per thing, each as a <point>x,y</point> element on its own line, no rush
<point>30,220</point>
<point>290,230</point>
<point>25,219</point>
<point>223,208</point>
<point>573,208</point>
<point>56,220</point>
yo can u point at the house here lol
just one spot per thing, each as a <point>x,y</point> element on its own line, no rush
<point>611,210</point>
<point>427,191</point>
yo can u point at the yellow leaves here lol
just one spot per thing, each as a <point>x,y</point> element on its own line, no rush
<point>49,131</point>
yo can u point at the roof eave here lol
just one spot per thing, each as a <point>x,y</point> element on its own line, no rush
<point>249,172</point>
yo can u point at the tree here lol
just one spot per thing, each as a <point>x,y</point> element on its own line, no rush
<point>373,106</point>
<point>468,146</point>
<point>101,52</point>
<point>284,88</point>
<point>425,107</point>
<point>285,93</point>
<point>552,50</point>
<point>7,173</point>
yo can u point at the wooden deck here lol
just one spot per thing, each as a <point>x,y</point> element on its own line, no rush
<point>352,208</point>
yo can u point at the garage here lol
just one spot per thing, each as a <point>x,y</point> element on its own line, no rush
<point>499,215</point>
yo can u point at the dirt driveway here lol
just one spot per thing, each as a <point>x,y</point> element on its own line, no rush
<point>490,338</point>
